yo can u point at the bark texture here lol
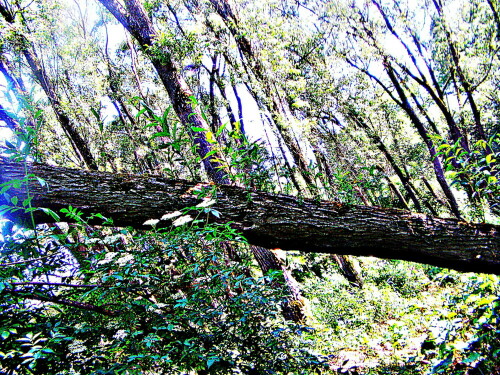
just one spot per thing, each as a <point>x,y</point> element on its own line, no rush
<point>294,304</point>
<point>268,220</point>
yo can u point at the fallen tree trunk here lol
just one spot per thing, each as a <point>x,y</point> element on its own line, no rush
<point>268,220</point>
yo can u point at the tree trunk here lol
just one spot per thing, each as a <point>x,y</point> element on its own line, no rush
<point>138,24</point>
<point>464,82</point>
<point>268,220</point>
<point>436,163</point>
<point>377,141</point>
<point>293,306</point>
<point>348,269</point>
<point>80,145</point>
<point>278,108</point>
<point>436,94</point>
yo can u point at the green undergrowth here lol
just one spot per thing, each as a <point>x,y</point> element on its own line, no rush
<point>407,319</point>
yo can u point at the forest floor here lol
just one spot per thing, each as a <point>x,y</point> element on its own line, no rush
<point>388,325</point>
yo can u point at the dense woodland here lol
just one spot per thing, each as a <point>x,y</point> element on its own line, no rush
<point>249,187</point>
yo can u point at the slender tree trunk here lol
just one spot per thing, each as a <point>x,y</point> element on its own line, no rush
<point>344,262</point>
<point>11,123</point>
<point>293,306</point>
<point>464,82</point>
<point>377,141</point>
<point>80,146</point>
<point>350,272</point>
<point>138,24</point>
<point>276,106</point>
<point>438,167</point>
<point>214,113</point>
<point>240,107</point>
<point>435,93</point>
<point>16,84</point>
<point>405,104</point>
<point>495,16</point>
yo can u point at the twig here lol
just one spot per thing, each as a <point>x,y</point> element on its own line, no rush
<point>67,302</point>
<point>41,283</point>
<point>25,261</point>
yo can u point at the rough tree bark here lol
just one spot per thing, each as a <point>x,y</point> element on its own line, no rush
<point>268,220</point>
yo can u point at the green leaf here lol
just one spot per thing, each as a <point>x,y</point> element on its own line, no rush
<point>51,213</point>
<point>485,300</point>
<point>197,129</point>
<point>10,145</point>
<point>4,209</point>
<point>443,147</point>
<point>14,200</point>
<point>140,113</point>
<point>5,186</point>
<point>220,130</point>
<point>95,113</point>
<point>472,358</point>
<point>27,201</point>
<point>160,134</point>
<point>211,361</point>
<point>210,153</point>
<point>204,116</point>
<point>481,143</point>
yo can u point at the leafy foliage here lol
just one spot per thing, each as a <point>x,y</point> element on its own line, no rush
<point>171,301</point>
<point>475,171</point>
<point>465,338</point>
<point>387,103</point>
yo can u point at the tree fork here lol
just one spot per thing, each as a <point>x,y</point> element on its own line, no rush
<point>265,219</point>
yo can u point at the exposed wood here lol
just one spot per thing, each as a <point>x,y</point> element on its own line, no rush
<point>268,220</point>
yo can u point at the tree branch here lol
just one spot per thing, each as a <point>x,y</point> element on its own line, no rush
<point>66,302</point>
<point>25,261</point>
<point>40,283</point>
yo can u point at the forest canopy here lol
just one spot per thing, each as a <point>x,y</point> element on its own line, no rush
<point>158,156</point>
